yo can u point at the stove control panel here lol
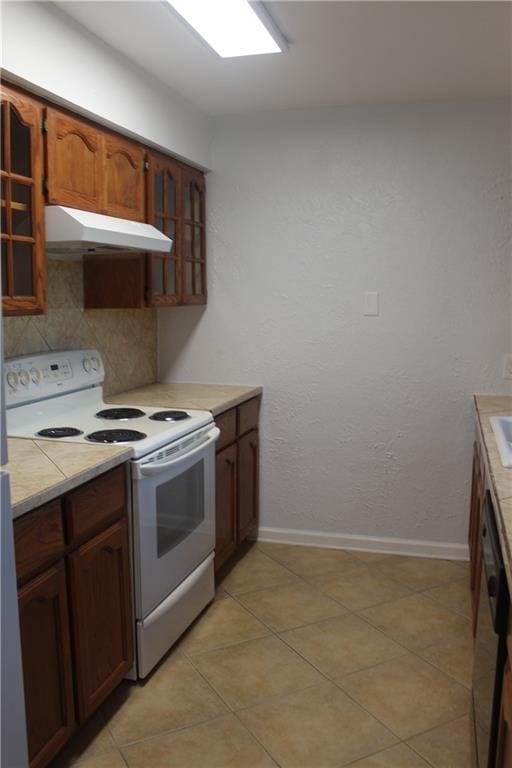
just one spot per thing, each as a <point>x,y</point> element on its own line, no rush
<point>34,377</point>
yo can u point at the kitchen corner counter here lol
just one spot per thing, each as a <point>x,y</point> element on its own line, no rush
<point>487,406</point>
<point>216,398</point>
<point>41,470</point>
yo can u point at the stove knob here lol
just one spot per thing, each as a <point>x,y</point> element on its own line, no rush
<point>12,379</point>
<point>24,378</point>
<point>95,363</point>
<point>86,362</point>
<point>35,375</point>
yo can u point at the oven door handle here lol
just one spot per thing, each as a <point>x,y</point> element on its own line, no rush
<point>156,468</point>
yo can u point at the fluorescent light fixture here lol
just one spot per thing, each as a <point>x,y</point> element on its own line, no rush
<point>231,27</point>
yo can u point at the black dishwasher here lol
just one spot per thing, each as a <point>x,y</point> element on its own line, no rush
<point>490,642</point>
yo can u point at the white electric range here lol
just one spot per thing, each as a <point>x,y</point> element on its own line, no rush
<point>58,396</point>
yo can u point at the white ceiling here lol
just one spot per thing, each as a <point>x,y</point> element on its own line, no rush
<point>340,53</point>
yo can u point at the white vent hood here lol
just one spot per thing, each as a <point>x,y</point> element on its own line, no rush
<point>70,233</point>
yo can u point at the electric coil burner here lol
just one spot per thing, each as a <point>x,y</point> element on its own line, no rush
<point>169,416</point>
<point>116,436</point>
<point>59,432</point>
<point>120,414</point>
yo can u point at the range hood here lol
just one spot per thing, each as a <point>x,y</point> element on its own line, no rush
<point>70,233</point>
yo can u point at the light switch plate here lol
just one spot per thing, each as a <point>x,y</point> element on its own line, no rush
<point>371,304</point>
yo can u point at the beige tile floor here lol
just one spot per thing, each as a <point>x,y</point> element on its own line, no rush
<point>308,658</point>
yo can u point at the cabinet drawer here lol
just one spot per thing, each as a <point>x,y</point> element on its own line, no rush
<point>226,422</point>
<point>95,504</point>
<point>38,538</point>
<point>248,415</point>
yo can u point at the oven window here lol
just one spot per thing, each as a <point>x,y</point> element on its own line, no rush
<point>179,508</point>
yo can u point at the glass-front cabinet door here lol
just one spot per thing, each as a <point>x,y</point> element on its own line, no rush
<point>163,197</point>
<point>194,237</point>
<point>22,205</point>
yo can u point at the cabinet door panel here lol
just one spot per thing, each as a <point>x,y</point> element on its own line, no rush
<point>475,518</point>
<point>504,750</point>
<point>226,422</point>
<point>23,254</point>
<point>193,191</point>
<point>163,194</point>
<point>248,483</point>
<point>115,283</point>
<point>102,616</point>
<point>124,179</point>
<point>225,504</point>
<point>47,673</point>
<point>74,156</point>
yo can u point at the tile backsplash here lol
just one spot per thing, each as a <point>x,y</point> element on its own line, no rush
<point>126,338</point>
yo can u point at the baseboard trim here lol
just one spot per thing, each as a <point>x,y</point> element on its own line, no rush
<point>364,543</point>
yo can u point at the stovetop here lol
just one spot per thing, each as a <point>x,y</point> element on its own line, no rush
<point>77,413</point>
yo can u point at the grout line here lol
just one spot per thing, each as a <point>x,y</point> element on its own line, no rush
<point>439,603</point>
<point>439,669</point>
<point>170,731</point>
<point>298,626</point>
<point>123,758</point>
<point>190,658</point>
<point>430,730</point>
<point>263,747</point>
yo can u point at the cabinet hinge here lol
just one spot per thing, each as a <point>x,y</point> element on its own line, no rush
<point>146,165</point>
<point>44,125</point>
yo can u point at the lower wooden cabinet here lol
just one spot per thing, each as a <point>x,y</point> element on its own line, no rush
<point>47,669</point>
<point>226,475</point>
<point>99,574</point>
<point>248,483</point>
<point>475,519</point>
<point>504,750</point>
<point>75,605</point>
<point>237,478</point>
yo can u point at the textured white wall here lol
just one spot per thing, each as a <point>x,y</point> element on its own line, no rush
<point>367,422</point>
<point>47,51</point>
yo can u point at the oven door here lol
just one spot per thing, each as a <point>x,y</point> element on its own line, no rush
<point>174,516</point>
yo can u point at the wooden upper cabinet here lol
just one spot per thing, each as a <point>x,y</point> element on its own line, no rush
<point>193,279</point>
<point>22,228</point>
<point>175,200</point>
<point>92,169</point>
<point>163,194</point>
<point>124,179</point>
<point>74,162</point>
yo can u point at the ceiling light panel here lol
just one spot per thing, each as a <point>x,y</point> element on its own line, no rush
<point>231,27</point>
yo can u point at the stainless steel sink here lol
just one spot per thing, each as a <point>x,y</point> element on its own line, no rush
<point>502,428</point>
